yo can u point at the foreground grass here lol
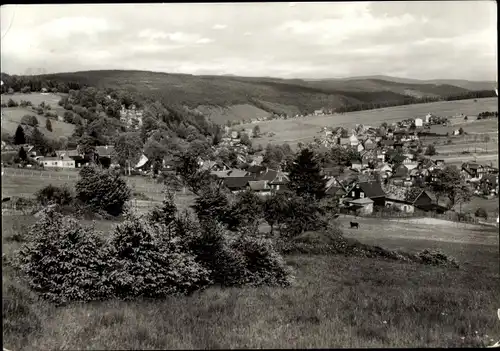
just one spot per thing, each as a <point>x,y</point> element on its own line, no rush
<point>336,302</point>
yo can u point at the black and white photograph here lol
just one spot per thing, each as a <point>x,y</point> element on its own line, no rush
<point>247,175</point>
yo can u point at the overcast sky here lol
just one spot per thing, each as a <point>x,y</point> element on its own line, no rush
<point>423,40</point>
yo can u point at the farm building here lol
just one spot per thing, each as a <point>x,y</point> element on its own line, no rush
<point>362,206</point>
<point>407,199</point>
<point>370,189</point>
<point>259,187</point>
<point>58,162</point>
<point>419,122</point>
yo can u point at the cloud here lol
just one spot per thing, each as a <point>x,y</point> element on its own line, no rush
<point>219,26</point>
<point>417,39</point>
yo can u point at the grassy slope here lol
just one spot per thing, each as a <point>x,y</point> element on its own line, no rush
<point>289,95</point>
<point>305,129</point>
<point>336,302</point>
<point>12,116</point>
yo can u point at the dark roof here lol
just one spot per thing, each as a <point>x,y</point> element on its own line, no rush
<point>388,142</point>
<point>258,185</point>
<point>104,151</point>
<point>269,175</point>
<point>333,171</point>
<point>334,190</point>
<point>372,189</point>
<point>403,194</point>
<point>256,169</point>
<point>237,183</point>
<point>400,171</point>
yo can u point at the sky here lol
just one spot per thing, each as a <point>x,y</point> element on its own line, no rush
<point>421,40</point>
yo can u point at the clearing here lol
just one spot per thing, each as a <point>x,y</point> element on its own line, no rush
<point>11,118</point>
<point>305,129</point>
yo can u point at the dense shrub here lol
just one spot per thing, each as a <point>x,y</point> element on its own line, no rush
<point>437,258</point>
<point>102,190</point>
<point>52,194</point>
<point>147,266</point>
<point>481,212</point>
<point>12,103</point>
<point>65,262</point>
<point>29,120</point>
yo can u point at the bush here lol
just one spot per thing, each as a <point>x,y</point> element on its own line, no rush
<point>147,266</point>
<point>39,111</point>
<point>25,103</point>
<point>12,103</point>
<point>102,190</point>
<point>437,258</point>
<point>65,262</point>
<point>481,212</point>
<point>52,194</point>
<point>29,120</point>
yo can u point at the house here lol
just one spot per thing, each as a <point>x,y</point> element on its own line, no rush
<point>473,170</point>
<point>237,184</point>
<point>353,140</point>
<point>428,118</point>
<point>387,144</point>
<point>369,144</point>
<point>407,199</point>
<point>260,187</point>
<point>344,142</point>
<point>362,206</point>
<point>104,154</point>
<point>257,160</point>
<point>234,135</point>
<point>74,155</point>
<point>410,164</point>
<point>360,147</point>
<point>331,172</point>
<point>370,189</point>
<point>384,170</point>
<point>237,173</point>
<point>419,122</point>
<point>357,165</point>
<point>489,183</point>
<point>58,162</point>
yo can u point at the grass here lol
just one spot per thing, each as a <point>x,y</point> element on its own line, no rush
<point>490,205</point>
<point>293,131</point>
<point>12,118</point>
<point>336,302</point>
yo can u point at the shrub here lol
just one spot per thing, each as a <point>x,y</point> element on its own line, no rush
<point>149,267</point>
<point>52,194</point>
<point>39,111</point>
<point>102,190</point>
<point>29,120</point>
<point>65,262</point>
<point>437,258</point>
<point>25,103</point>
<point>481,212</point>
<point>12,103</point>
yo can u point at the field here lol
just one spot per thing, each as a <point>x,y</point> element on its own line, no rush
<point>336,302</point>
<point>11,118</point>
<point>25,183</point>
<point>36,99</point>
<point>293,131</point>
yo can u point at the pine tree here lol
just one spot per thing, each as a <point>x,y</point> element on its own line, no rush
<point>22,154</point>
<point>48,125</point>
<point>305,176</point>
<point>19,137</point>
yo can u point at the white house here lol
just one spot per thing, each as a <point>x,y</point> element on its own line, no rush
<point>58,162</point>
<point>353,140</point>
<point>419,122</point>
<point>428,118</point>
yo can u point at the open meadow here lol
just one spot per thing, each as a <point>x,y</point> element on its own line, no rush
<point>11,118</point>
<point>293,131</point>
<point>36,99</point>
<point>336,302</point>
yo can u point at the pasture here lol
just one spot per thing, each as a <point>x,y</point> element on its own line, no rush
<point>36,99</point>
<point>145,192</point>
<point>11,118</point>
<point>293,131</point>
<point>336,302</point>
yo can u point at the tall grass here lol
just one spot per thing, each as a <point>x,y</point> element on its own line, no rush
<point>336,302</point>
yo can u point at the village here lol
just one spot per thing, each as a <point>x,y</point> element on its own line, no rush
<point>389,166</point>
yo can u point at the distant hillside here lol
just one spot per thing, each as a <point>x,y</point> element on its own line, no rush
<point>240,98</point>
<point>461,83</point>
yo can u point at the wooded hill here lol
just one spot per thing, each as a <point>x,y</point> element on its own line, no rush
<point>272,95</point>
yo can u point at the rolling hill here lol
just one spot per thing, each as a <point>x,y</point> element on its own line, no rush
<point>229,98</point>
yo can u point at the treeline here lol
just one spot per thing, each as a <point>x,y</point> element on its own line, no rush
<point>487,114</point>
